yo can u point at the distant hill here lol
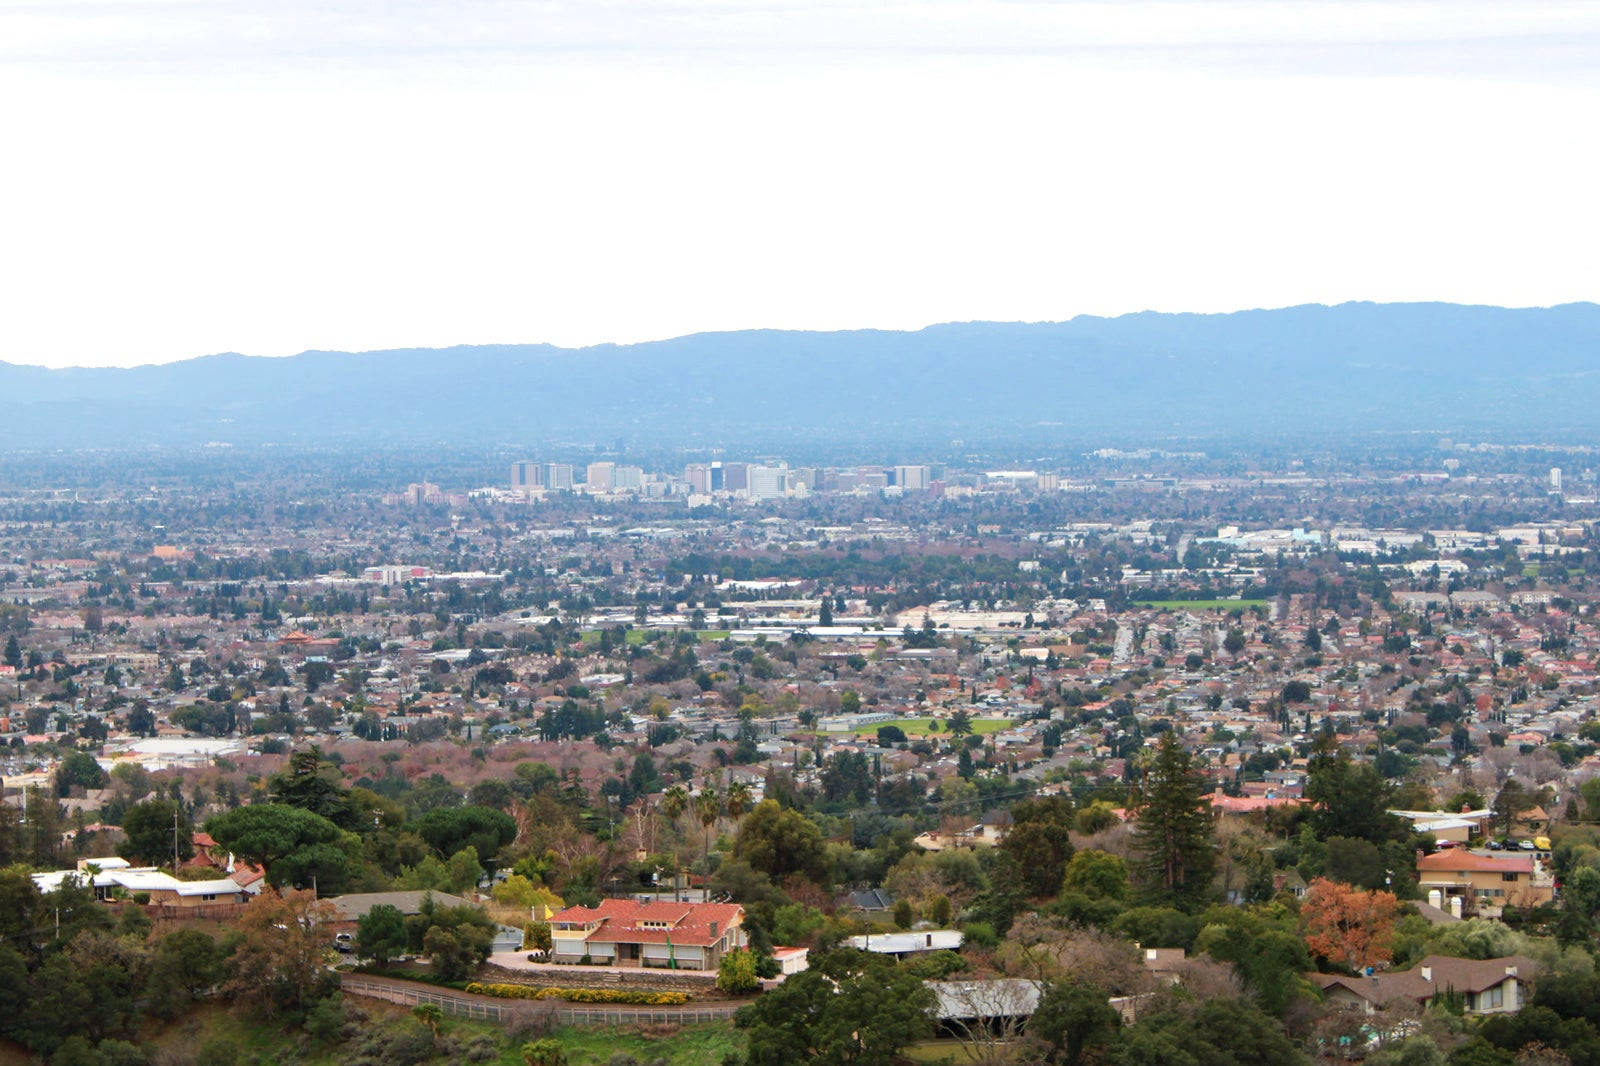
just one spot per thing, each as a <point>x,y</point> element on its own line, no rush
<point>1346,369</point>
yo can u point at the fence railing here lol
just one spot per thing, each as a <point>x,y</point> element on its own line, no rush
<point>484,1008</point>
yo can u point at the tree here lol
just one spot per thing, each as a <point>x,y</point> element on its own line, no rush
<point>13,652</point>
<point>708,807</point>
<point>1072,1017</point>
<point>1511,801</point>
<point>313,783</point>
<point>1218,1032</point>
<point>79,769</point>
<point>1041,850</point>
<point>960,723</point>
<point>450,829</point>
<point>1349,926</point>
<point>1173,838</point>
<point>293,845</point>
<point>674,801</point>
<point>849,1009</point>
<point>737,800</point>
<point>188,964</point>
<point>453,953</point>
<point>736,972</point>
<point>381,933</point>
<point>1351,800</point>
<point>780,842</point>
<point>1096,874</point>
<point>283,951</point>
<point>148,829</point>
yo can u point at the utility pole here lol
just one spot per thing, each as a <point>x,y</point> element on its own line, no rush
<point>174,839</point>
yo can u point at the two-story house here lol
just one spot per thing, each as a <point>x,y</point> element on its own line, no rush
<point>663,934</point>
<point>1491,881</point>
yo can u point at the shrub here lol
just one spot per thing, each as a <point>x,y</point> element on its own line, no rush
<point>218,1051</point>
<point>637,997</point>
<point>529,1021</point>
<point>736,973</point>
<point>980,933</point>
<point>546,1052</point>
<point>405,1042</point>
<point>934,965</point>
<point>326,1022</point>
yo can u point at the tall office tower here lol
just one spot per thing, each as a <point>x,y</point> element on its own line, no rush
<point>527,475</point>
<point>627,478</point>
<point>911,478</point>
<point>736,477</point>
<point>767,482</point>
<point>558,476</point>
<point>1555,479</point>
<point>599,475</point>
<point>698,477</point>
<point>719,478</point>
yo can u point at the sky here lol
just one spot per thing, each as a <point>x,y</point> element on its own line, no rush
<point>183,177</point>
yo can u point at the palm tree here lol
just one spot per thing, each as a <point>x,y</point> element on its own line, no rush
<point>708,805</point>
<point>737,800</point>
<point>674,801</point>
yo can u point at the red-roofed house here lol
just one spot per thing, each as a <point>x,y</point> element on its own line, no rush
<point>622,932</point>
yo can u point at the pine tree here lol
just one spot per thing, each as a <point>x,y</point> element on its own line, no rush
<point>1173,837</point>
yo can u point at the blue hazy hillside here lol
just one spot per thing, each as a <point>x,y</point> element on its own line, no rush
<point>1313,369</point>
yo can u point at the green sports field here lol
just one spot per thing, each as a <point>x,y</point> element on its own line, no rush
<point>921,727</point>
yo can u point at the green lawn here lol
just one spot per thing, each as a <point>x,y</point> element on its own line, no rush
<point>918,727</point>
<point>695,1045</point>
<point>637,636</point>
<point>1200,605</point>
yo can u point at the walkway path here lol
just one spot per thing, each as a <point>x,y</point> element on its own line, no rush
<point>494,1009</point>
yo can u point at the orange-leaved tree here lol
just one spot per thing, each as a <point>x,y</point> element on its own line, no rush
<point>1347,925</point>
<point>284,950</point>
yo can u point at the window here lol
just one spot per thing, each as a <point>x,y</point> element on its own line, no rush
<point>208,897</point>
<point>1508,877</point>
<point>1494,997</point>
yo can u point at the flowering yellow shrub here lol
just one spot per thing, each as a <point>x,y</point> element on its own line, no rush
<point>637,997</point>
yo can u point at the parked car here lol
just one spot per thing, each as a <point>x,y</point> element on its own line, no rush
<point>344,943</point>
<point>1528,845</point>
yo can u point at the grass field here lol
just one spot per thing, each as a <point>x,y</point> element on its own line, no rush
<point>1201,605</point>
<point>637,636</point>
<point>695,1045</point>
<point>921,727</point>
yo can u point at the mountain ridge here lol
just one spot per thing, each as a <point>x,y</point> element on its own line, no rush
<point>1356,366</point>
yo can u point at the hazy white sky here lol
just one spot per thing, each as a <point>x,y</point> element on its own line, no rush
<point>190,176</point>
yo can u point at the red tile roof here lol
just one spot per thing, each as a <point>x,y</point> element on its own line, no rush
<point>1457,861</point>
<point>621,921</point>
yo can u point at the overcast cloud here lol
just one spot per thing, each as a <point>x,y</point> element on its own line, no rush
<point>183,178</point>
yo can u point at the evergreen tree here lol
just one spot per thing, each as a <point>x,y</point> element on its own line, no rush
<point>1173,837</point>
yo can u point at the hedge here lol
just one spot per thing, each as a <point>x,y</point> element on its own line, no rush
<point>580,995</point>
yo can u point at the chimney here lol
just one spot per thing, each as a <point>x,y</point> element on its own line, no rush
<point>1465,807</point>
<point>1427,974</point>
<point>713,930</point>
<point>929,940</point>
<point>1455,906</point>
<point>1511,971</point>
